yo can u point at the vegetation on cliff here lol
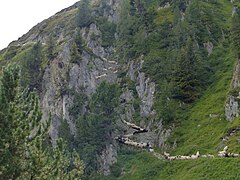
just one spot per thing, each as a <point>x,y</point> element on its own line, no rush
<point>189,50</point>
<point>26,151</point>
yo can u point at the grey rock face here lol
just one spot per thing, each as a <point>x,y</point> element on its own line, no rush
<point>91,70</point>
<point>234,10</point>
<point>145,88</point>
<point>231,108</point>
<point>107,158</point>
<point>128,109</point>
<point>53,99</point>
<point>111,13</point>
<point>209,46</point>
<point>97,64</point>
<point>82,76</point>
<point>67,103</point>
<point>236,77</point>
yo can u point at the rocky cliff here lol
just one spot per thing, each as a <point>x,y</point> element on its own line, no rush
<point>162,58</point>
<point>96,64</point>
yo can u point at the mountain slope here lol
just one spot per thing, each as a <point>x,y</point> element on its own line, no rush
<point>170,67</point>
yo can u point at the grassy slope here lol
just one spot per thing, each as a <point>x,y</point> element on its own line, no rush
<point>144,166</point>
<point>196,131</point>
<point>51,26</point>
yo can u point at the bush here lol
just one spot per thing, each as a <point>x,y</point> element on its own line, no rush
<point>84,14</point>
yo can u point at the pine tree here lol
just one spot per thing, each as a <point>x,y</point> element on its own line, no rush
<point>31,67</point>
<point>24,154</point>
<point>236,33</point>
<point>51,48</point>
<point>185,77</point>
<point>84,14</point>
<point>132,7</point>
<point>79,42</point>
<point>95,127</point>
<point>75,55</point>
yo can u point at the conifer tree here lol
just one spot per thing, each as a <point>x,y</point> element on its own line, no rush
<point>24,154</point>
<point>236,33</point>
<point>185,74</point>
<point>51,48</point>
<point>84,16</point>
<point>132,7</point>
<point>31,67</point>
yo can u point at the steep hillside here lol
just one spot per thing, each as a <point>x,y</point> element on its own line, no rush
<point>116,75</point>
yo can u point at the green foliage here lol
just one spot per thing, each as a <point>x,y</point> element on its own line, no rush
<point>145,166</point>
<point>23,155</point>
<point>51,48</point>
<point>167,107</point>
<point>84,14</point>
<point>105,99</point>
<point>236,33</point>
<point>234,92</point>
<point>79,41</point>
<point>75,55</point>
<point>177,61</point>
<point>95,127</point>
<point>197,132</point>
<point>31,67</point>
<point>78,102</point>
<point>11,52</point>
<point>185,75</point>
<point>172,41</point>
<point>133,28</point>
<point>77,48</point>
<point>65,134</point>
<point>108,30</point>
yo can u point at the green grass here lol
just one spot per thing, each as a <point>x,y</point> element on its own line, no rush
<point>145,166</point>
<point>195,130</point>
<point>53,26</point>
<point>64,20</point>
<point>164,15</point>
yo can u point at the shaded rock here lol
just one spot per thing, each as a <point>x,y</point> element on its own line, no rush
<point>231,108</point>
<point>107,158</point>
<point>209,46</point>
<point>236,76</point>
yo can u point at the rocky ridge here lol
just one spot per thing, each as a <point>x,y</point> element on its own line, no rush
<point>97,64</point>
